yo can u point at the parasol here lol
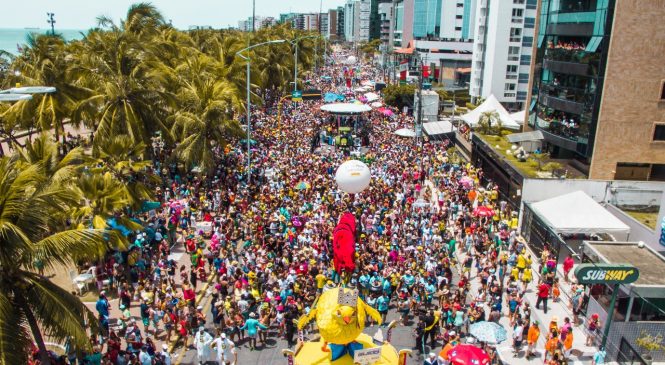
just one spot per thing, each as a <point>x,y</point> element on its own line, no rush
<point>489,332</point>
<point>405,132</point>
<point>376,104</point>
<point>303,185</point>
<point>483,211</point>
<point>464,354</point>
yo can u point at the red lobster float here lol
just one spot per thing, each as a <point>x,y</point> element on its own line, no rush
<point>344,244</point>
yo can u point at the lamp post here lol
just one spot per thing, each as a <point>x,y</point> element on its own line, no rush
<point>50,19</point>
<point>295,61</point>
<point>22,93</point>
<point>249,105</point>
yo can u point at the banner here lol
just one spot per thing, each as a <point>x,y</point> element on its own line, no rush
<point>403,71</point>
<point>425,72</point>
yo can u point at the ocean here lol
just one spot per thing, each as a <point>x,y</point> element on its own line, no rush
<point>10,38</point>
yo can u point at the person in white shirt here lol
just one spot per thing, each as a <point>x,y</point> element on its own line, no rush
<point>166,356</point>
<point>225,350</point>
<point>202,341</point>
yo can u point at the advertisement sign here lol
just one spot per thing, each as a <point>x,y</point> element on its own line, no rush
<point>367,356</point>
<point>403,70</point>
<point>606,274</point>
<point>296,96</point>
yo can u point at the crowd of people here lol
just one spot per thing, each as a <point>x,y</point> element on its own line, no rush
<point>427,229</point>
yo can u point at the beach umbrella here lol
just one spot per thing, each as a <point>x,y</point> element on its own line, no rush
<point>464,354</point>
<point>489,332</point>
<point>376,104</point>
<point>387,112</point>
<point>303,185</point>
<point>483,211</point>
<point>371,97</point>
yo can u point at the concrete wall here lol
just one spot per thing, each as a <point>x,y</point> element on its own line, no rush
<point>638,231</point>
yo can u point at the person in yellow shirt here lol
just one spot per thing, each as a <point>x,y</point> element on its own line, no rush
<point>515,273</point>
<point>521,262</point>
<point>527,276</point>
<point>320,282</point>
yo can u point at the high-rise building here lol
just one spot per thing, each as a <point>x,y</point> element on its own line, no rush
<point>458,18</point>
<point>331,31</point>
<point>503,42</point>
<point>426,18</point>
<point>386,17</point>
<point>403,25</point>
<point>340,22</point>
<point>357,20</point>
<point>598,88</point>
<point>324,25</point>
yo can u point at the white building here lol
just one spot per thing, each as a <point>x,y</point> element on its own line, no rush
<point>502,50</point>
<point>458,19</point>
<point>356,20</point>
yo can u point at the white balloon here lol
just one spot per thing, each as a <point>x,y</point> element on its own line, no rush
<point>353,176</point>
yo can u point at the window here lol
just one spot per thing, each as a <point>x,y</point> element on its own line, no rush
<point>508,95</point>
<point>458,17</point>
<point>510,87</point>
<point>458,28</point>
<point>523,78</point>
<point>513,50</point>
<point>518,1</point>
<point>529,22</point>
<point>460,5</point>
<point>662,90</point>
<point>527,41</point>
<point>521,95</point>
<point>531,4</point>
<point>518,12</point>
<point>515,34</point>
<point>659,132</point>
<point>511,68</point>
<point>525,60</point>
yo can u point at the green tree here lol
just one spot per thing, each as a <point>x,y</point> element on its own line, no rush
<point>32,233</point>
<point>399,96</point>
<point>490,123</point>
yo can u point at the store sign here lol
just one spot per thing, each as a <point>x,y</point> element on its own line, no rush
<point>606,274</point>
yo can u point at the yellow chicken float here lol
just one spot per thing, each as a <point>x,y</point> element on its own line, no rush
<point>340,316</point>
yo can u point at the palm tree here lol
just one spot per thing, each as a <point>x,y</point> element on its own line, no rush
<point>45,63</point>
<point>32,230</point>
<point>203,121</point>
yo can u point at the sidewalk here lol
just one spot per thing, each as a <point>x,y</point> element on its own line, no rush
<point>580,354</point>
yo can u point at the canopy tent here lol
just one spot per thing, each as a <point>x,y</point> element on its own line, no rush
<point>491,104</point>
<point>518,117</point>
<point>577,212</point>
<point>436,128</point>
<point>346,108</point>
<point>332,97</point>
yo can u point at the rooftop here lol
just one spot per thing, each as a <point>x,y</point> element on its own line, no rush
<point>650,263</point>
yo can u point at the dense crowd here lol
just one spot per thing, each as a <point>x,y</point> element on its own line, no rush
<point>428,227</point>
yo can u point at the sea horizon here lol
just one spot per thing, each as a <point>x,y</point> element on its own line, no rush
<point>12,38</point>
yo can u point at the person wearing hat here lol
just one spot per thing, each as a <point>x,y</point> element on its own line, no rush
<point>202,341</point>
<point>593,326</point>
<point>225,349</point>
<point>431,359</point>
<point>165,354</point>
<point>252,325</point>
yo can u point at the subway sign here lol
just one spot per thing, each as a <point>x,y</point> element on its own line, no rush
<point>606,274</point>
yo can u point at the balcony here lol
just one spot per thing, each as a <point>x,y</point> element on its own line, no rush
<point>570,27</point>
<point>569,68</point>
<point>561,104</point>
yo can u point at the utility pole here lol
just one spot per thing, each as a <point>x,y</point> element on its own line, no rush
<point>253,16</point>
<point>50,19</point>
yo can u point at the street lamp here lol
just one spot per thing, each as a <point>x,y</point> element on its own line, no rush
<point>295,62</point>
<point>249,105</point>
<point>22,93</point>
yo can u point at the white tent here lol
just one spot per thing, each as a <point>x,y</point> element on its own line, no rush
<point>371,97</point>
<point>436,128</point>
<point>577,212</point>
<point>518,117</point>
<point>491,104</point>
<point>405,132</point>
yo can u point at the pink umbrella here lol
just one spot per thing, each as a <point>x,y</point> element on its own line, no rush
<point>483,211</point>
<point>387,112</point>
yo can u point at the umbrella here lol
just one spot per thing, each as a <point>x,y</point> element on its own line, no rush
<point>406,132</point>
<point>372,97</point>
<point>483,211</point>
<point>387,112</point>
<point>376,104</point>
<point>303,185</point>
<point>251,141</point>
<point>464,354</point>
<point>489,332</point>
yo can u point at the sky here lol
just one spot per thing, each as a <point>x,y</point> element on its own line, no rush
<point>81,14</point>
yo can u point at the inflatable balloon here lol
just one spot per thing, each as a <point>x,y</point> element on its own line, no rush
<point>352,176</point>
